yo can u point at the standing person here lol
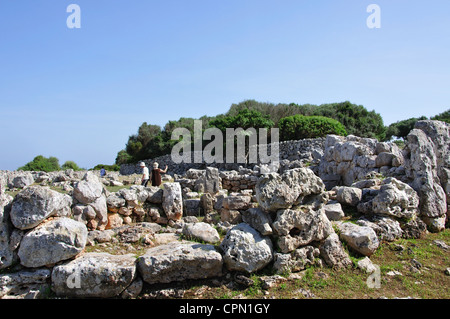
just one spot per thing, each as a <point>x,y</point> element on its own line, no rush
<point>145,174</point>
<point>156,174</point>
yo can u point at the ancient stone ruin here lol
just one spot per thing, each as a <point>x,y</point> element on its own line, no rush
<point>204,222</point>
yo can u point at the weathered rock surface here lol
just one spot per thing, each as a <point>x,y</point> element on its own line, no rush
<point>94,275</point>
<point>300,227</point>
<point>34,204</point>
<point>426,161</point>
<point>275,191</point>
<point>295,261</point>
<point>245,249</point>
<point>22,180</point>
<point>88,189</point>
<point>172,201</point>
<point>7,248</point>
<point>362,239</point>
<point>350,196</point>
<point>25,284</point>
<point>396,199</point>
<point>179,261</point>
<point>257,219</point>
<point>333,253</point>
<point>56,240</point>
<point>201,231</point>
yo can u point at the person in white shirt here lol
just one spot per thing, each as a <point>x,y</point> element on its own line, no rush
<point>145,174</point>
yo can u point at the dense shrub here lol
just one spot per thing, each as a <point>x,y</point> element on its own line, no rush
<point>297,127</point>
<point>71,165</point>
<point>41,163</point>
<point>114,167</point>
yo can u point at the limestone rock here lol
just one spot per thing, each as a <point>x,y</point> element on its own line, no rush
<point>333,253</point>
<point>257,219</point>
<point>94,275</point>
<point>36,203</point>
<point>396,199</point>
<point>334,211</point>
<point>350,196</point>
<point>296,260</point>
<point>201,231</point>
<point>300,227</point>
<point>421,165</point>
<point>7,255</point>
<point>274,191</point>
<point>58,239</point>
<point>88,189</point>
<point>24,284</point>
<point>362,239</point>
<point>178,262</point>
<point>22,180</point>
<point>172,201</point>
<point>212,180</point>
<point>245,249</point>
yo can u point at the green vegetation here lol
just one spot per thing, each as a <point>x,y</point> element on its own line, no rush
<point>444,116</point>
<point>401,129</point>
<point>71,165</point>
<point>41,163</point>
<point>298,127</point>
<point>295,121</point>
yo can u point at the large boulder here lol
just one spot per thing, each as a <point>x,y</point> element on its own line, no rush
<point>300,227</point>
<point>201,231</point>
<point>179,261</point>
<point>56,240</point>
<point>362,239</point>
<point>212,180</point>
<point>427,164</point>
<point>36,203</point>
<point>350,196</point>
<point>275,191</point>
<point>295,261</point>
<point>94,275</point>
<point>245,249</point>
<point>22,180</point>
<point>259,220</point>
<point>7,256</point>
<point>333,253</point>
<point>172,201</point>
<point>25,284</point>
<point>396,199</point>
<point>88,189</point>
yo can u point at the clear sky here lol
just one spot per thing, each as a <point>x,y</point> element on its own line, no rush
<point>78,94</point>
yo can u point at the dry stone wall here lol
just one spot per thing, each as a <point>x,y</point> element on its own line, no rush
<point>289,217</point>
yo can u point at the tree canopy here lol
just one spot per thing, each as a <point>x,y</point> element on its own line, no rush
<point>295,121</point>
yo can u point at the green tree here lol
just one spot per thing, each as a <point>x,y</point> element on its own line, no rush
<point>42,164</point>
<point>245,119</point>
<point>444,116</point>
<point>123,157</point>
<point>298,127</point>
<point>402,128</point>
<point>71,165</point>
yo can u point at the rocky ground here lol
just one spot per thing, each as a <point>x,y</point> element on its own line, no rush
<point>356,219</point>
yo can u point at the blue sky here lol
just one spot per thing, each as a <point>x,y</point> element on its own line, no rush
<point>78,94</point>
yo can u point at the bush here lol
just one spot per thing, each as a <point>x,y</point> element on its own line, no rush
<point>298,127</point>
<point>401,129</point>
<point>114,167</point>
<point>444,116</point>
<point>42,164</point>
<point>71,165</point>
